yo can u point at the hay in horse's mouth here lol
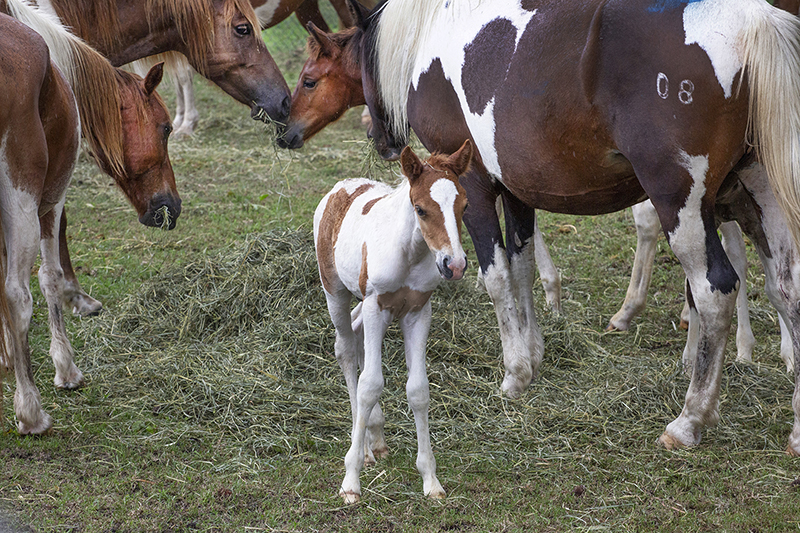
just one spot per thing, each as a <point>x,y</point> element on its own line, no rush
<point>163,215</point>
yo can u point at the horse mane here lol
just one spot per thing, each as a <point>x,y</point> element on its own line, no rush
<point>403,27</point>
<point>92,78</point>
<point>193,20</point>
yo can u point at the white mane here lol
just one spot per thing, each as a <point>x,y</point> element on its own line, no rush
<point>404,28</point>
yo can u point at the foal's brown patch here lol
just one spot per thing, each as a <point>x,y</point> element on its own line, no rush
<point>368,205</point>
<point>330,224</point>
<point>362,276</point>
<point>403,301</point>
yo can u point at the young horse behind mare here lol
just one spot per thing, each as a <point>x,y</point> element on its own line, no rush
<point>126,126</point>
<point>389,249</point>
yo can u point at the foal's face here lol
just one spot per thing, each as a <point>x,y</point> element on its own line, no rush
<point>439,201</point>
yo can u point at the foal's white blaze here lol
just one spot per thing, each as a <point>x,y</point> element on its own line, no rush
<point>715,27</point>
<point>453,25</point>
<point>444,193</point>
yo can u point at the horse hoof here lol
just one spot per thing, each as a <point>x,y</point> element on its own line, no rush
<point>791,452</point>
<point>684,324</point>
<point>84,305</point>
<point>350,498</point>
<point>669,442</point>
<point>381,453</point>
<point>43,427</point>
<point>69,384</point>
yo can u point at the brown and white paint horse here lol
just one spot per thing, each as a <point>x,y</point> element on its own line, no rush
<point>389,249</point>
<point>590,108</point>
<point>39,140</point>
<point>126,125</point>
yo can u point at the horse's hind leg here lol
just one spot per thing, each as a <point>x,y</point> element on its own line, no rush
<point>647,229</point>
<point>186,115</point>
<point>551,279</point>
<point>51,282</point>
<point>733,242</point>
<point>75,298</point>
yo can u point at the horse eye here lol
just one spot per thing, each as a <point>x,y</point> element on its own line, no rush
<point>420,211</point>
<point>167,130</point>
<point>244,29</point>
<point>309,84</point>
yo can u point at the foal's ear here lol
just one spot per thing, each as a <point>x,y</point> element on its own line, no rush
<point>153,78</point>
<point>410,163</point>
<point>461,160</point>
<point>326,46</point>
<point>359,13</point>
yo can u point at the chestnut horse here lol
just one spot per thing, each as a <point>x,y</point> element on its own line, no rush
<point>126,127</point>
<point>40,132</point>
<point>389,248</point>
<point>589,108</point>
<point>270,13</point>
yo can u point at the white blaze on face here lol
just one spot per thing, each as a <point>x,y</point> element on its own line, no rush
<point>452,30</point>
<point>715,27</point>
<point>444,193</point>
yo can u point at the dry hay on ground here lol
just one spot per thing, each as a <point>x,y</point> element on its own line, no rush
<point>240,347</point>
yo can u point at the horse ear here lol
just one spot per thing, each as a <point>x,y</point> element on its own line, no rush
<point>461,160</point>
<point>410,163</point>
<point>326,46</point>
<point>359,13</point>
<point>153,78</point>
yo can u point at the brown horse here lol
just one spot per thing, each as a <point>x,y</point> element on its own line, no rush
<point>588,108</point>
<point>40,133</point>
<point>126,127</point>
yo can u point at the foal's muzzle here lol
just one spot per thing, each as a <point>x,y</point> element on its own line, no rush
<point>452,269</point>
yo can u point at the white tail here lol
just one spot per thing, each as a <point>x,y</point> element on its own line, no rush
<point>771,55</point>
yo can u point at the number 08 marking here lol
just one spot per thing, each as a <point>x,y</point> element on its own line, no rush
<point>684,94</point>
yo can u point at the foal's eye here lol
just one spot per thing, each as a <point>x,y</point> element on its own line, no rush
<point>309,84</point>
<point>244,29</point>
<point>167,130</point>
<point>420,211</point>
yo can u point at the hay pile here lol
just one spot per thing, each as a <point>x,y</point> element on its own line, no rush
<point>240,347</point>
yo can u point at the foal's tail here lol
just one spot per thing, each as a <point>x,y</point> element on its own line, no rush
<point>771,57</point>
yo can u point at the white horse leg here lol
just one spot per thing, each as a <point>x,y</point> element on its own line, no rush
<point>375,446</point>
<point>648,227</point>
<point>787,350</point>
<point>415,328</point>
<point>21,234</point>
<point>51,282</point>
<point>369,388</point>
<point>551,279</point>
<point>186,115</point>
<point>733,243</point>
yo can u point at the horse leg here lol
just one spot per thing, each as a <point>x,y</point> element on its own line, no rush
<point>21,234</point>
<point>415,328</point>
<point>648,226</point>
<point>375,446</point>
<point>75,298</point>
<point>733,243</point>
<point>368,390</point>
<point>309,11</point>
<point>551,279</point>
<point>51,283</point>
<point>186,115</point>
<point>764,223</point>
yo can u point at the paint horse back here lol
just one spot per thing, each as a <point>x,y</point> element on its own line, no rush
<point>389,248</point>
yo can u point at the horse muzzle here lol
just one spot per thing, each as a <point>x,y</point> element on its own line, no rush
<point>290,138</point>
<point>451,269</point>
<point>278,113</point>
<point>162,212</point>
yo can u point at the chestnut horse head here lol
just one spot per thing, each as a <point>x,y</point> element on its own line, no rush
<point>338,75</point>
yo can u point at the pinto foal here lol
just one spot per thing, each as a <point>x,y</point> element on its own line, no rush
<point>389,248</point>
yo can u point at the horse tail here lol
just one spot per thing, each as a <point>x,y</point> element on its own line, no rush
<point>92,78</point>
<point>771,58</point>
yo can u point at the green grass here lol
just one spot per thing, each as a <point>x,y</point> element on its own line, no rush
<point>188,428</point>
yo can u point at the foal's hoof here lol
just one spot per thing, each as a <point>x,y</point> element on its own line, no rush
<point>43,426</point>
<point>791,452</point>
<point>70,382</point>
<point>684,324</point>
<point>350,498</point>
<point>669,442</point>
<point>83,305</point>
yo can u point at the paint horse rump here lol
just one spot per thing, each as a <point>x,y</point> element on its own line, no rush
<point>389,249</point>
<point>588,108</point>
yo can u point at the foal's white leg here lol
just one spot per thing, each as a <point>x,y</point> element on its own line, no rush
<point>733,242</point>
<point>415,335</point>
<point>21,234</point>
<point>787,350</point>
<point>551,279</point>
<point>369,388</point>
<point>648,227</point>
<point>51,282</point>
<point>375,446</point>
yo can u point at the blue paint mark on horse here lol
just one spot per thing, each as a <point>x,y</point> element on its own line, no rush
<point>659,6</point>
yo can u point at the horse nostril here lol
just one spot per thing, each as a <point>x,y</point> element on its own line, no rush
<point>286,108</point>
